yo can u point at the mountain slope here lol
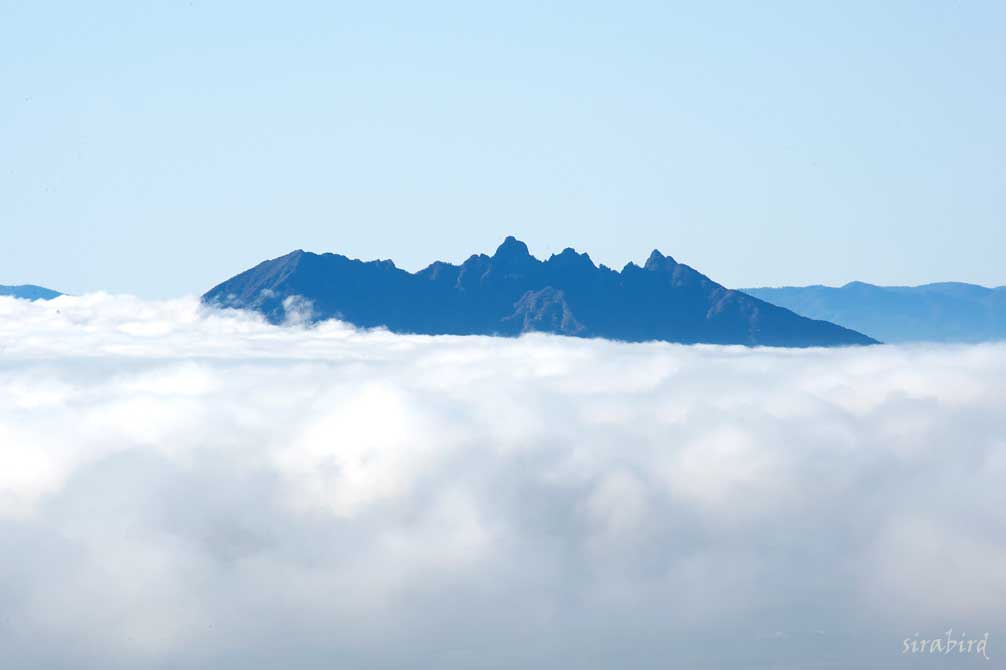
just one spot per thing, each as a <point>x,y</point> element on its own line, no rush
<point>944,312</point>
<point>512,292</point>
<point>29,292</point>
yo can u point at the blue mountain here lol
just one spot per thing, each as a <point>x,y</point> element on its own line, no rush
<point>512,292</point>
<point>29,292</point>
<point>943,312</point>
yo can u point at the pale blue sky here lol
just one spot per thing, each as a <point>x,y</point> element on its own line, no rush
<point>158,148</point>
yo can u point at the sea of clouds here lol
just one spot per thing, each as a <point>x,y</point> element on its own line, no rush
<point>183,487</point>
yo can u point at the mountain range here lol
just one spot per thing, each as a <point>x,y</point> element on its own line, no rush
<point>29,292</point>
<point>512,292</point>
<point>943,312</point>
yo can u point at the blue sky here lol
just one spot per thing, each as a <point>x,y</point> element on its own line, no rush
<point>158,148</point>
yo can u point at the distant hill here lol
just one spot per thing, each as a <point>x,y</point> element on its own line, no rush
<point>511,292</point>
<point>945,312</point>
<point>29,292</point>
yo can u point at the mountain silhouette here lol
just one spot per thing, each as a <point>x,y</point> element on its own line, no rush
<point>512,292</point>
<point>943,312</point>
<point>29,292</point>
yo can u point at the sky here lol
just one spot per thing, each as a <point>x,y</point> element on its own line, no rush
<point>184,487</point>
<point>159,148</point>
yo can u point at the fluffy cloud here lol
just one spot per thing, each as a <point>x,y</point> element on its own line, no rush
<point>186,488</point>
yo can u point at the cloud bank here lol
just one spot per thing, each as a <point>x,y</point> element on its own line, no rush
<point>187,488</point>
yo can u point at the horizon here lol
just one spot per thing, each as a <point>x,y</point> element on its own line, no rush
<point>540,258</point>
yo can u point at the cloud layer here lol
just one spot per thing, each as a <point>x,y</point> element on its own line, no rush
<point>184,488</point>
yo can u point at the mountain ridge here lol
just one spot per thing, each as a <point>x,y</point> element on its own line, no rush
<point>29,292</point>
<point>512,292</point>
<point>934,312</point>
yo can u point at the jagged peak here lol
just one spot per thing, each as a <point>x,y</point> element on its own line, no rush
<point>512,248</point>
<point>630,266</point>
<point>570,258</point>
<point>658,260</point>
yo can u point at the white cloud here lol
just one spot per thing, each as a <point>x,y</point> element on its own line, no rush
<point>182,487</point>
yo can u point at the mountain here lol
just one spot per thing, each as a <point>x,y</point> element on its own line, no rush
<point>944,312</point>
<point>29,292</point>
<point>512,292</point>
